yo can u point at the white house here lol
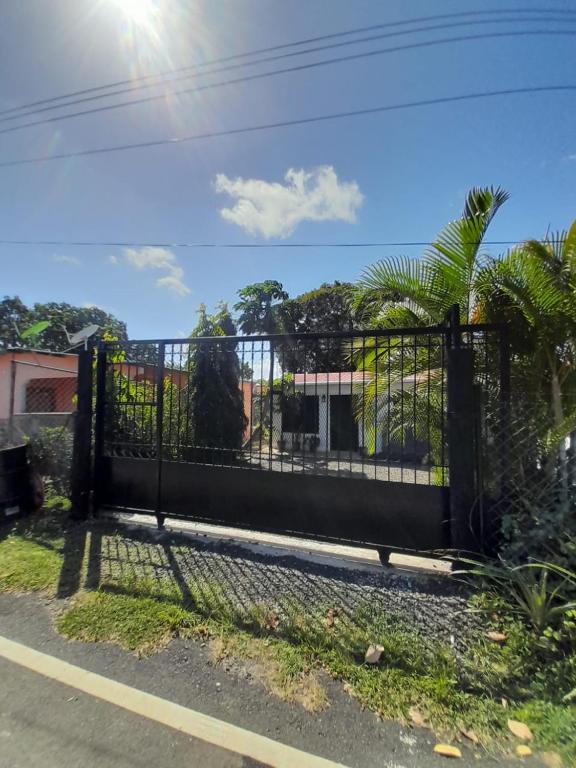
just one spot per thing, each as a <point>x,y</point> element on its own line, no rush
<point>326,417</point>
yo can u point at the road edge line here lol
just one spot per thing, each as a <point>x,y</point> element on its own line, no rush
<point>196,724</point>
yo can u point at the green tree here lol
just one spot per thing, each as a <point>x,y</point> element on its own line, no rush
<point>216,406</point>
<point>260,313</point>
<point>15,317</point>
<point>62,316</point>
<point>325,309</point>
<point>259,307</point>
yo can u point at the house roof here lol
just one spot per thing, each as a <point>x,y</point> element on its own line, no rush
<point>28,350</point>
<point>344,377</point>
<point>356,377</point>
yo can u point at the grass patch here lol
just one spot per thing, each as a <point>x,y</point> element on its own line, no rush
<point>31,556</point>
<point>139,624</point>
<point>27,565</point>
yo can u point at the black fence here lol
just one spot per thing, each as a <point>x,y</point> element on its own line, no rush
<point>370,405</point>
<point>371,437</point>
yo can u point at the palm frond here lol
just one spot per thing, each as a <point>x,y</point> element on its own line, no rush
<point>454,257</point>
<point>408,278</point>
<point>524,278</point>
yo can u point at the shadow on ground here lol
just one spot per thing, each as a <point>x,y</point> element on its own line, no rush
<point>234,579</point>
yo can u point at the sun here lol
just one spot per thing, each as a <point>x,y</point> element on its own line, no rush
<point>140,13</point>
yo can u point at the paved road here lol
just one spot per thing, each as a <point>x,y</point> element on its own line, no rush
<point>44,724</point>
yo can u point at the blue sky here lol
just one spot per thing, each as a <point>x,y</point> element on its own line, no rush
<point>388,177</point>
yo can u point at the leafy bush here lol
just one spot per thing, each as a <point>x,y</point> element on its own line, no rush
<point>533,608</point>
<point>50,453</point>
<point>540,592</point>
<point>541,529</point>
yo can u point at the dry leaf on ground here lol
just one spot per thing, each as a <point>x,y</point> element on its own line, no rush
<point>470,735</point>
<point>272,622</point>
<point>373,654</point>
<point>447,750</point>
<point>520,730</point>
<point>331,616</point>
<point>417,718</point>
<point>497,637</point>
<point>523,751</point>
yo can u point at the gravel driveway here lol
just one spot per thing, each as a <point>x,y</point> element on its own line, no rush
<point>434,606</point>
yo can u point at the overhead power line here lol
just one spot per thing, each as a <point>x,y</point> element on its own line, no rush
<point>289,123</point>
<point>201,245</point>
<point>291,54</point>
<point>566,13</point>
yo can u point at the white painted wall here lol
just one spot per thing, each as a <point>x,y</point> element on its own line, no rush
<point>324,392</point>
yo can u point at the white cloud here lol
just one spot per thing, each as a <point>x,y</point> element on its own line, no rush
<point>272,209</point>
<point>62,259</point>
<point>159,258</point>
<point>113,259</point>
<point>174,282</point>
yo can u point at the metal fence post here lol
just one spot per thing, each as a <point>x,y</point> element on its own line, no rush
<point>12,400</point>
<point>82,446</point>
<point>159,431</point>
<point>101,365</point>
<point>461,442</point>
<point>271,403</point>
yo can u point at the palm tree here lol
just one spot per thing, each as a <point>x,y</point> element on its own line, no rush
<point>426,288</point>
<point>533,289</point>
<point>402,292</point>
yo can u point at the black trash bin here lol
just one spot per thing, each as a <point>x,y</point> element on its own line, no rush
<point>16,490</point>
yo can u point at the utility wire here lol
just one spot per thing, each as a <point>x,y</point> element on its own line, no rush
<point>200,245</point>
<point>359,30</point>
<point>289,70</point>
<point>278,57</point>
<point>289,123</point>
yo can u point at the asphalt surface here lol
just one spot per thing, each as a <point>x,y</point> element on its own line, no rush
<point>45,724</point>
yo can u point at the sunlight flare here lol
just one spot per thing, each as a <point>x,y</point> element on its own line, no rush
<point>141,13</point>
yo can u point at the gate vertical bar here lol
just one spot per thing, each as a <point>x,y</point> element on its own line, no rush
<point>99,421</point>
<point>271,405</point>
<point>505,391</point>
<point>504,437</point>
<point>11,433</point>
<point>159,431</point>
<point>461,443</point>
<point>82,451</point>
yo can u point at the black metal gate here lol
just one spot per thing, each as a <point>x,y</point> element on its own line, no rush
<point>243,431</point>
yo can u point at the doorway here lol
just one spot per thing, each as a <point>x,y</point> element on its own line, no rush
<point>343,427</point>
